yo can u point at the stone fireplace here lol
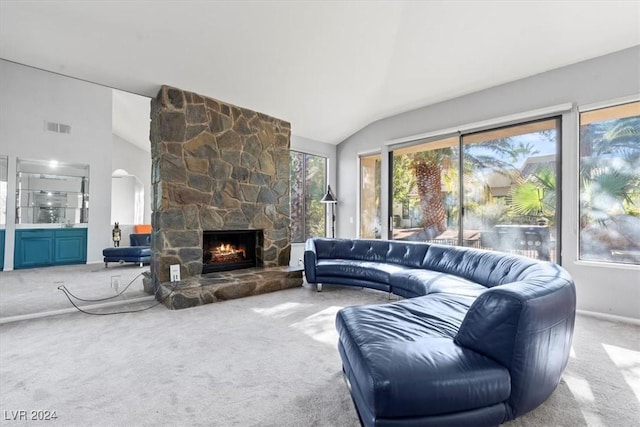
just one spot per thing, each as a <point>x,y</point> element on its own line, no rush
<point>216,167</point>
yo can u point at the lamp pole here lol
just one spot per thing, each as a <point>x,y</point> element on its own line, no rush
<point>333,220</point>
<point>329,197</point>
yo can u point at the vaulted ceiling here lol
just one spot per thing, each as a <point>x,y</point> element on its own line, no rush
<point>328,67</point>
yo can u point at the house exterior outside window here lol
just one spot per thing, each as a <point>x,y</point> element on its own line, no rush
<point>370,194</point>
<point>609,177</point>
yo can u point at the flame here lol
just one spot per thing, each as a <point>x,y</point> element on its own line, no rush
<point>226,249</point>
<point>226,252</point>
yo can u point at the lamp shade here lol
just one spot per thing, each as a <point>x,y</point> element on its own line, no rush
<point>329,197</point>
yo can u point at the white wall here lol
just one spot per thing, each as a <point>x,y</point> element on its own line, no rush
<point>123,194</point>
<point>136,162</point>
<point>28,98</point>
<point>321,149</point>
<point>610,290</point>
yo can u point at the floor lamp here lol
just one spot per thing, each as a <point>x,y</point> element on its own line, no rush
<point>331,199</point>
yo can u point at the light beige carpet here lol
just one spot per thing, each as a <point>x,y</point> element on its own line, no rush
<point>268,360</point>
<point>35,290</point>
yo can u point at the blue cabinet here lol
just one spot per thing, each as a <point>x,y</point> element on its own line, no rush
<point>43,247</point>
<point>2,250</point>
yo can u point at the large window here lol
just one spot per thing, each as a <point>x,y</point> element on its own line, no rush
<point>308,186</point>
<point>504,179</point>
<point>610,184</point>
<point>370,190</point>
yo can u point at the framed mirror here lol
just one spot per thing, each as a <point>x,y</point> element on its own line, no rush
<point>50,192</point>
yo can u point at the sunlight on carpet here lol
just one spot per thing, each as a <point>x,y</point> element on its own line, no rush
<point>281,310</point>
<point>628,363</point>
<point>582,392</point>
<point>580,388</point>
<point>320,326</point>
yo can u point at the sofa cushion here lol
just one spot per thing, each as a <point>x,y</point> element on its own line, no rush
<point>410,254</point>
<point>413,282</point>
<point>140,239</point>
<point>127,252</point>
<point>406,363</point>
<point>364,270</point>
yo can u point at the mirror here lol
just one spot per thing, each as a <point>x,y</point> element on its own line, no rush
<point>49,192</point>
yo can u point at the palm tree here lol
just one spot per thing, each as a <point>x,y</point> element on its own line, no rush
<point>536,195</point>
<point>428,167</point>
<point>609,186</point>
<point>610,159</point>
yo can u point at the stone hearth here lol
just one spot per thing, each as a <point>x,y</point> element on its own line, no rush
<point>216,166</point>
<point>222,286</point>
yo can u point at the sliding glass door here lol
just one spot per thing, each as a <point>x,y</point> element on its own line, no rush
<point>370,191</point>
<point>506,181</point>
<point>510,187</point>
<point>425,189</point>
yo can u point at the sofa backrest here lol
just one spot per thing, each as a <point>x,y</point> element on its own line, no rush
<point>483,267</point>
<point>396,252</point>
<point>487,268</point>
<point>140,239</point>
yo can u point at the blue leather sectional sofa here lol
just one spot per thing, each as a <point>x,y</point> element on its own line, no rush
<point>139,251</point>
<point>480,338</point>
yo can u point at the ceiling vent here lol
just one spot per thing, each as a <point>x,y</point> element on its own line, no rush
<point>57,127</point>
<point>51,127</point>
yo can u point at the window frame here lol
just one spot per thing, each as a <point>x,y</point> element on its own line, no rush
<point>303,227</point>
<point>554,113</point>
<point>582,109</point>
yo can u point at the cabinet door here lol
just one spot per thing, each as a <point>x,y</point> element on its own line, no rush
<point>70,246</point>
<point>2,249</point>
<point>33,248</point>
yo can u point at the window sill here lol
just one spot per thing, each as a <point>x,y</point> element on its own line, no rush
<point>603,264</point>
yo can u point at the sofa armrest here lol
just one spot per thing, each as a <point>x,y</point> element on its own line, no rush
<point>504,315</point>
<point>527,327</point>
<point>310,260</point>
<point>490,326</point>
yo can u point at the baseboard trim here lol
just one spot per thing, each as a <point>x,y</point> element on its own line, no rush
<point>74,310</point>
<point>610,317</point>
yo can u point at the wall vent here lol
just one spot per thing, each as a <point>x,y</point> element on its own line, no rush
<point>57,127</point>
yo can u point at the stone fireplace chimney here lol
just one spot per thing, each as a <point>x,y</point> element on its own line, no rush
<point>215,167</point>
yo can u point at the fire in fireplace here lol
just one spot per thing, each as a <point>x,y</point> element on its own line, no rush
<point>230,250</point>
